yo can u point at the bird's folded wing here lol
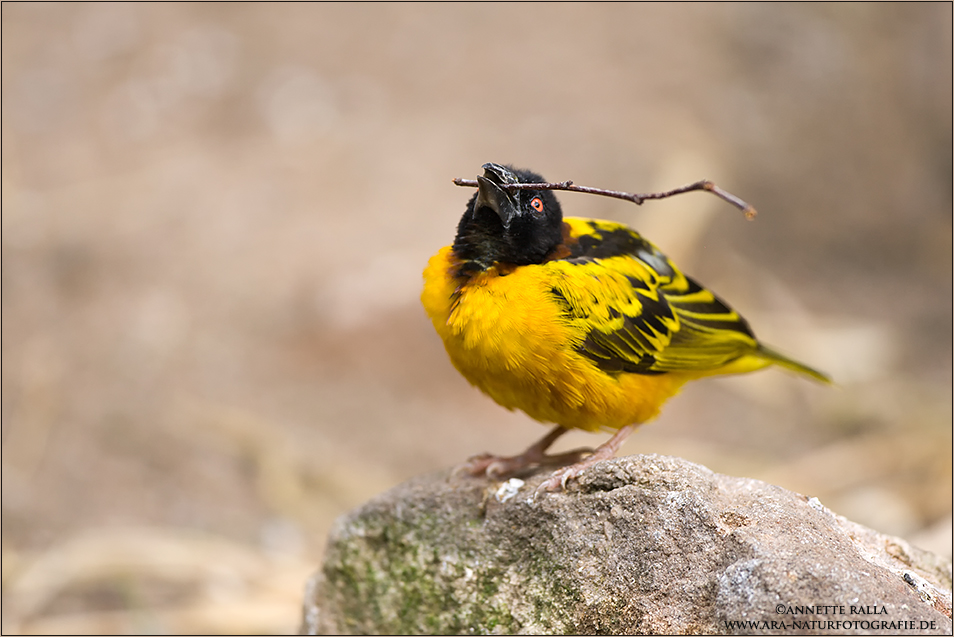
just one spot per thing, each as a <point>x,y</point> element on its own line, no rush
<point>635,312</point>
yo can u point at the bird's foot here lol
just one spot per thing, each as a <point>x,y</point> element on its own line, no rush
<point>485,464</point>
<point>505,466</point>
<point>557,481</point>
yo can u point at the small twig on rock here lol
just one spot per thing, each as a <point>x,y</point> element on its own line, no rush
<point>637,199</point>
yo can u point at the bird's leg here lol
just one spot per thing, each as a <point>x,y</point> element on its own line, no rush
<point>606,450</point>
<point>501,466</point>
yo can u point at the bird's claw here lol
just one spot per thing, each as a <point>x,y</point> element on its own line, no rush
<point>489,465</point>
<point>559,478</point>
<point>476,465</point>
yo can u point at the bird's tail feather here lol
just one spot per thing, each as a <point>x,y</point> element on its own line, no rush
<point>786,362</point>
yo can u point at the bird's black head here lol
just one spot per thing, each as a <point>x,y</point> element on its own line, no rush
<point>516,226</point>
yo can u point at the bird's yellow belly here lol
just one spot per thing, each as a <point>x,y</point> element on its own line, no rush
<point>506,334</point>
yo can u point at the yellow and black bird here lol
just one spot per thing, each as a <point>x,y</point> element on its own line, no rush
<point>578,322</point>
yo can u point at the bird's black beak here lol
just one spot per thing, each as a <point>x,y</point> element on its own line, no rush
<point>491,195</point>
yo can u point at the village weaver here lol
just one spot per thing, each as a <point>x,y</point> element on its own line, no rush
<point>578,322</point>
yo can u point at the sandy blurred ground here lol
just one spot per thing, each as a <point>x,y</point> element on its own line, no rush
<point>215,218</point>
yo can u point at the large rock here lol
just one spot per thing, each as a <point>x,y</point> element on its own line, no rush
<point>643,544</point>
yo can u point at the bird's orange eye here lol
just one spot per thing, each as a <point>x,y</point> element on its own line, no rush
<point>537,204</point>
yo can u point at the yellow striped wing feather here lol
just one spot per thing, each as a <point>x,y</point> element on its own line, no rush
<point>640,314</point>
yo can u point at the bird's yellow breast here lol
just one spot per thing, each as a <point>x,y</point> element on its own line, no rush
<point>505,331</point>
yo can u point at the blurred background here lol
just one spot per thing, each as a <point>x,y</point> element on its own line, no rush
<point>215,218</point>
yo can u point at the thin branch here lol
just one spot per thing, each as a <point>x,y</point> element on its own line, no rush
<point>637,199</point>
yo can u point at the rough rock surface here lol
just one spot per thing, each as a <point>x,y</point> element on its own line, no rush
<point>642,544</point>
